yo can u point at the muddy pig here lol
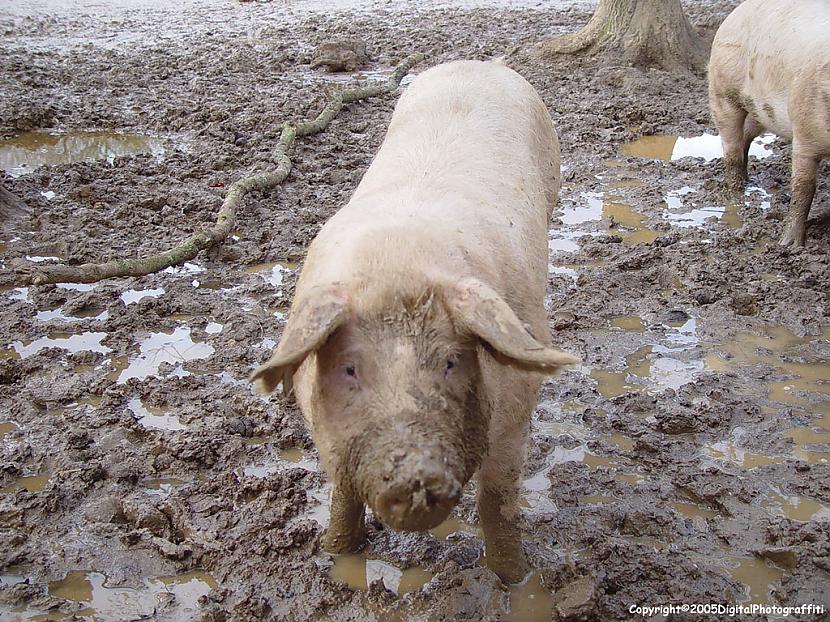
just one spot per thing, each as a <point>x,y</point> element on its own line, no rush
<point>418,338</point>
<point>770,70</point>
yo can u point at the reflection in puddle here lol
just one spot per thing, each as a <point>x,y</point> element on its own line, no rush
<point>581,213</point>
<point>775,349</point>
<point>628,224</point>
<point>654,367</point>
<point>530,601</point>
<point>25,152</point>
<point>99,315</point>
<point>359,573</point>
<point>131,296</point>
<point>273,272</point>
<point>20,293</point>
<point>705,146</point>
<point>6,427</point>
<point>158,348</point>
<point>797,507</point>
<point>162,486</point>
<point>83,342</point>
<point>757,574</point>
<point>121,603</point>
<point>289,458</point>
<point>32,483</point>
<point>730,452</point>
<point>151,417</point>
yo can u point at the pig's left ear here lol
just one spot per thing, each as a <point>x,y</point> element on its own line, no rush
<point>478,308</point>
<point>313,319</point>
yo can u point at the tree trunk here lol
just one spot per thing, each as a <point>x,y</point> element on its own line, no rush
<point>643,33</point>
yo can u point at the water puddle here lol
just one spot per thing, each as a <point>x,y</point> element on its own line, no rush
<point>654,368</point>
<point>32,483</point>
<point>775,348</point>
<point>757,575</point>
<point>132,296</point>
<point>288,458</point>
<point>796,507</point>
<point>630,323</point>
<point>620,219</point>
<point>629,224</point>
<point>162,486</point>
<point>6,427</point>
<point>706,146</point>
<point>175,348</point>
<point>103,602</point>
<point>25,152</point>
<point>693,510</point>
<point>359,573</point>
<point>530,601</point>
<point>272,272</point>
<point>728,451</point>
<point>155,418</point>
<point>454,525</point>
<point>83,342</point>
<point>97,314</point>
<point>588,209</point>
<point>623,442</point>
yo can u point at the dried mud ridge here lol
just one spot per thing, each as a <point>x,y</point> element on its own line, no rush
<point>685,461</point>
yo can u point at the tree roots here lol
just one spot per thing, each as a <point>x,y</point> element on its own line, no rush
<point>226,218</point>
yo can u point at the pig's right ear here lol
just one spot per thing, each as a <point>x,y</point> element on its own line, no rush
<point>479,309</point>
<point>313,319</point>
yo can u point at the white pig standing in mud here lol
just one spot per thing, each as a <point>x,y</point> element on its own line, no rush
<point>418,337</point>
<point>770,70</point>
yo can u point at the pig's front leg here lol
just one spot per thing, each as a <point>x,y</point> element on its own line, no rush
<point>498,503</point>
<point>805,168</point>
<point>346,532</point>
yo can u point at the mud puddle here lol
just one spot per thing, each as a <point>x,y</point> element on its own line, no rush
<point>359,572</point>
<point>25,152</point>
<point>99,601</point>
<point>705,146</point>
<point>176,348</point>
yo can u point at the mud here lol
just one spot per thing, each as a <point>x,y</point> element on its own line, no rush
<point>685,461</point>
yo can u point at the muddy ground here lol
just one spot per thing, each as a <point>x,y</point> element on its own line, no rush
<point>686,460</point>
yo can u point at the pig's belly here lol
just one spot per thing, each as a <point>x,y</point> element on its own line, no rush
<point>771,107</point>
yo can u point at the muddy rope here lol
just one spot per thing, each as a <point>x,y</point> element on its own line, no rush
<point>226,218</point>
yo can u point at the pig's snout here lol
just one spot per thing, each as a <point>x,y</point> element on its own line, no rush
<point>417,499</point>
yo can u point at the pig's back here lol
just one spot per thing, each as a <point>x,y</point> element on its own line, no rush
<point>466,178</point>
<point>768,46</point>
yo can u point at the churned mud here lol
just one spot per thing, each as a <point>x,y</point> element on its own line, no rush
<point>685,460</point>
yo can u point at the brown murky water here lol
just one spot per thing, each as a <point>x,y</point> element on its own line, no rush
<point>27,151</point>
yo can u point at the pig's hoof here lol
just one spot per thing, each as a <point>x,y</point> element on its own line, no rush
<point>512,570</point>
<point>793,238</point>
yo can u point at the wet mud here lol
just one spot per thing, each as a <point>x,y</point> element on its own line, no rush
<point>685,461</point>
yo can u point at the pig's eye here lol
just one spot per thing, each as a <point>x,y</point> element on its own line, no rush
<point>351,372</point>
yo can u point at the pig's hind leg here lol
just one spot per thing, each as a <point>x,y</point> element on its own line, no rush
<point>811,142</point>
<point>732,122</point>
<point>805,169</point>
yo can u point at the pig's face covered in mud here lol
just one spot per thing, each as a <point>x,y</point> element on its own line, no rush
<point>396,411</point>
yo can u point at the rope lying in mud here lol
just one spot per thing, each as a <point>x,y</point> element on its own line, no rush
<point>226,218</point>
